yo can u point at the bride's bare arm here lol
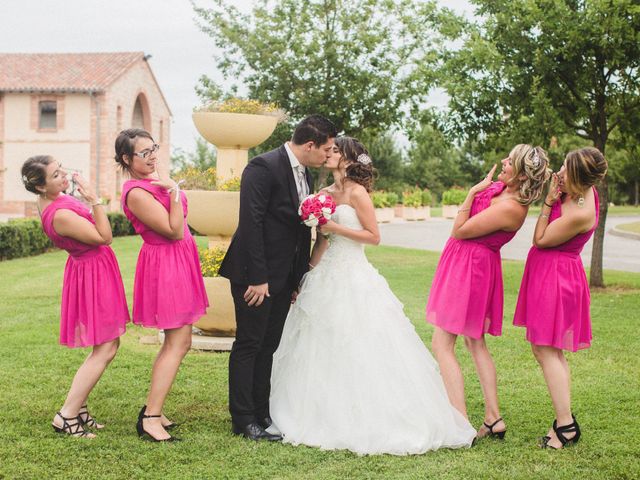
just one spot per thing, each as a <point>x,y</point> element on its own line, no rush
<point>319,248</point>
<point>369,234</point>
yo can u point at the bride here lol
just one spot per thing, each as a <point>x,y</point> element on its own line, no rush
<point>350,371</point>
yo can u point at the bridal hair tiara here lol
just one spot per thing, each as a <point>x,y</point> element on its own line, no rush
<point>536,158</point>
<point>364,159</point>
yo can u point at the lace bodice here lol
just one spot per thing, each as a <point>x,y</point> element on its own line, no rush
<point>342,247</point>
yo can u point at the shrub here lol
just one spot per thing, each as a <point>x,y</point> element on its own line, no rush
<point>412,198</point>
<point>120,224</point>
<point>426,198</point>
<point>231,185</point>
<point>22,237</point>
<point>196,179</point>
<point>454,196</point>
<point>210,260</point>
<point>392,198</point>
<point>380,199</point>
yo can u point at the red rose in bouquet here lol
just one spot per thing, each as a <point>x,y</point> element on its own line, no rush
<point>316,209</point>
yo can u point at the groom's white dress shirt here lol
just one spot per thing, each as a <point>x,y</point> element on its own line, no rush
<point>299,173</point>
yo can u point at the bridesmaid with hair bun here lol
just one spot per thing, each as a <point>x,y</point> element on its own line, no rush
<point>553,303</point>
<point>168,290</point>
<point>94,309</point>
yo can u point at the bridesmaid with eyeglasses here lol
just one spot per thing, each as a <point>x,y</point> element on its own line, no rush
<point>94,309</point>
<point>168,291</point>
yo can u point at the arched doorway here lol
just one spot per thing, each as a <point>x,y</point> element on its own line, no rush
<point>141,117</point>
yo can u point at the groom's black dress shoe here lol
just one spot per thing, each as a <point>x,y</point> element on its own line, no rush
<point>253,431</point>
<point>265,422</point>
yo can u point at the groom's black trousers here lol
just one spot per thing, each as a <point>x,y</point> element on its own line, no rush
<point>257,337</point>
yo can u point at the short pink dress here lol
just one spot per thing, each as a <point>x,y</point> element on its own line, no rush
<point>94,307</point>
<point>466,296</point>
<point>553,303</point>
<point>168,290</point>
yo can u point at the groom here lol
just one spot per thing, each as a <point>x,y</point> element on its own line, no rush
<point>268,255</point>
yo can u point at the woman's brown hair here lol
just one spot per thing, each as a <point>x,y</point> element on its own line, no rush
<point>360,170</point>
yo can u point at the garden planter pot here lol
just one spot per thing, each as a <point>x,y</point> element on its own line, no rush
<point>233,134</point>
<point>450,211</point>
<point>384,215</point>
<point>220,319</point>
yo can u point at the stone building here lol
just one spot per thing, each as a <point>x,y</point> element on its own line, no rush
<point>72,106</point>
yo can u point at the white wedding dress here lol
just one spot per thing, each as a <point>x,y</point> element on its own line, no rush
<point>351,372</point>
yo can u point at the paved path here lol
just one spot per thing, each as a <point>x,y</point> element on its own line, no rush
<point>619,253</point>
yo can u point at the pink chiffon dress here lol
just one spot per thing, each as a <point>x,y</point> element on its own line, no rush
<point>94,307</point>
<point>466,296</point>
<point>168,290</point>
<point>553,302</point>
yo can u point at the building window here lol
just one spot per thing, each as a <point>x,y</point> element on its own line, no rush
<point>48,115</point>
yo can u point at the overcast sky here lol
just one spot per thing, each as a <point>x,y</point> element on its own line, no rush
<point>165,29</point>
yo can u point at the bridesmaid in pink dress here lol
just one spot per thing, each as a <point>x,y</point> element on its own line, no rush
<point>168,291</point>
<point>553,304</point>
<point>466,295</point>
<point>94,309</point>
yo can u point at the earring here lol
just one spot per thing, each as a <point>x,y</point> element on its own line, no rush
<point>581,201</point>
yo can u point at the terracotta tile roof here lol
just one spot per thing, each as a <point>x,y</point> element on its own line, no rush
<point>63,72</point>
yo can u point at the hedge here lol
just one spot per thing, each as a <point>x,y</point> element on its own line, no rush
<point>23,237</point>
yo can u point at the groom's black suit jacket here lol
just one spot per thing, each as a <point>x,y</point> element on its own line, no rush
<point>271,243</point>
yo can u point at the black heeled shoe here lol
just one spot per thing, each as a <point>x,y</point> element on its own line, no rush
<point>560,433</point>
<point>69,427</point>
<point>492,434</point>
<point>87,419</point>
<point>142,433</point>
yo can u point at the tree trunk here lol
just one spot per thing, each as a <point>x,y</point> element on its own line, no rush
<point>637,192</point>
<point>596,278</point>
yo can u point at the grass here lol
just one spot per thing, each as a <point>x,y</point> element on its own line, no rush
<point>633,227</point>
<point>35,373</point>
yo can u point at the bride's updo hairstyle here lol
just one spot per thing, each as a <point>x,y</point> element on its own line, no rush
<point>126,145</point>
<point>585,167</point>
<point>532,163</point>
<point>360,170</point>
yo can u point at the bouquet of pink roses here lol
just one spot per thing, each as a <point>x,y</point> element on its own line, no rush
<point>316,209</point>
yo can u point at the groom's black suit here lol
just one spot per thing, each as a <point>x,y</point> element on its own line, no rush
<point>271,245</point>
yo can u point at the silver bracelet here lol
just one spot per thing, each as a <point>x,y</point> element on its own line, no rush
<point>544,215</point>
<point>464,210</point>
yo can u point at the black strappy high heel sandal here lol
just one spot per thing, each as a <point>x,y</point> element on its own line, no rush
<point>75,429</point>
<point>560,433</point>
<point>142,433</point>
<point>87,419</point>
<point>492,434</point>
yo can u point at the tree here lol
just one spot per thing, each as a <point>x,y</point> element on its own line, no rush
<point>387,159</point>
<point>348,60</point>
<point>535,69</point>
<point>203,158</point>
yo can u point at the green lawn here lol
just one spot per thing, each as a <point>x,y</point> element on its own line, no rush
<point>633,227</point>
<point>35,373</point>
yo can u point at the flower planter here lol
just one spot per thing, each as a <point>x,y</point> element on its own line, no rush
<point>398,210</point>
<point>450,211</point>
<point>220,319</point>
<point>214,214</point>
<point>233,134</point>
<point>384,215</point>
<point>423,213</point>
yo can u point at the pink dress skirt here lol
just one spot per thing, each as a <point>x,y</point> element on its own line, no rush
<point>466,296</point>
<point>168,290</point>
<point>94,307</point>
<point>554,298</point>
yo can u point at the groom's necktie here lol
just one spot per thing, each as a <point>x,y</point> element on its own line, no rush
<point>303,187</point>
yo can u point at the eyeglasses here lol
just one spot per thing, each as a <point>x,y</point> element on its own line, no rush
<point>147,151</point>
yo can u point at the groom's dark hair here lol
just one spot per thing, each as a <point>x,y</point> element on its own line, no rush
<point>315,128</point>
